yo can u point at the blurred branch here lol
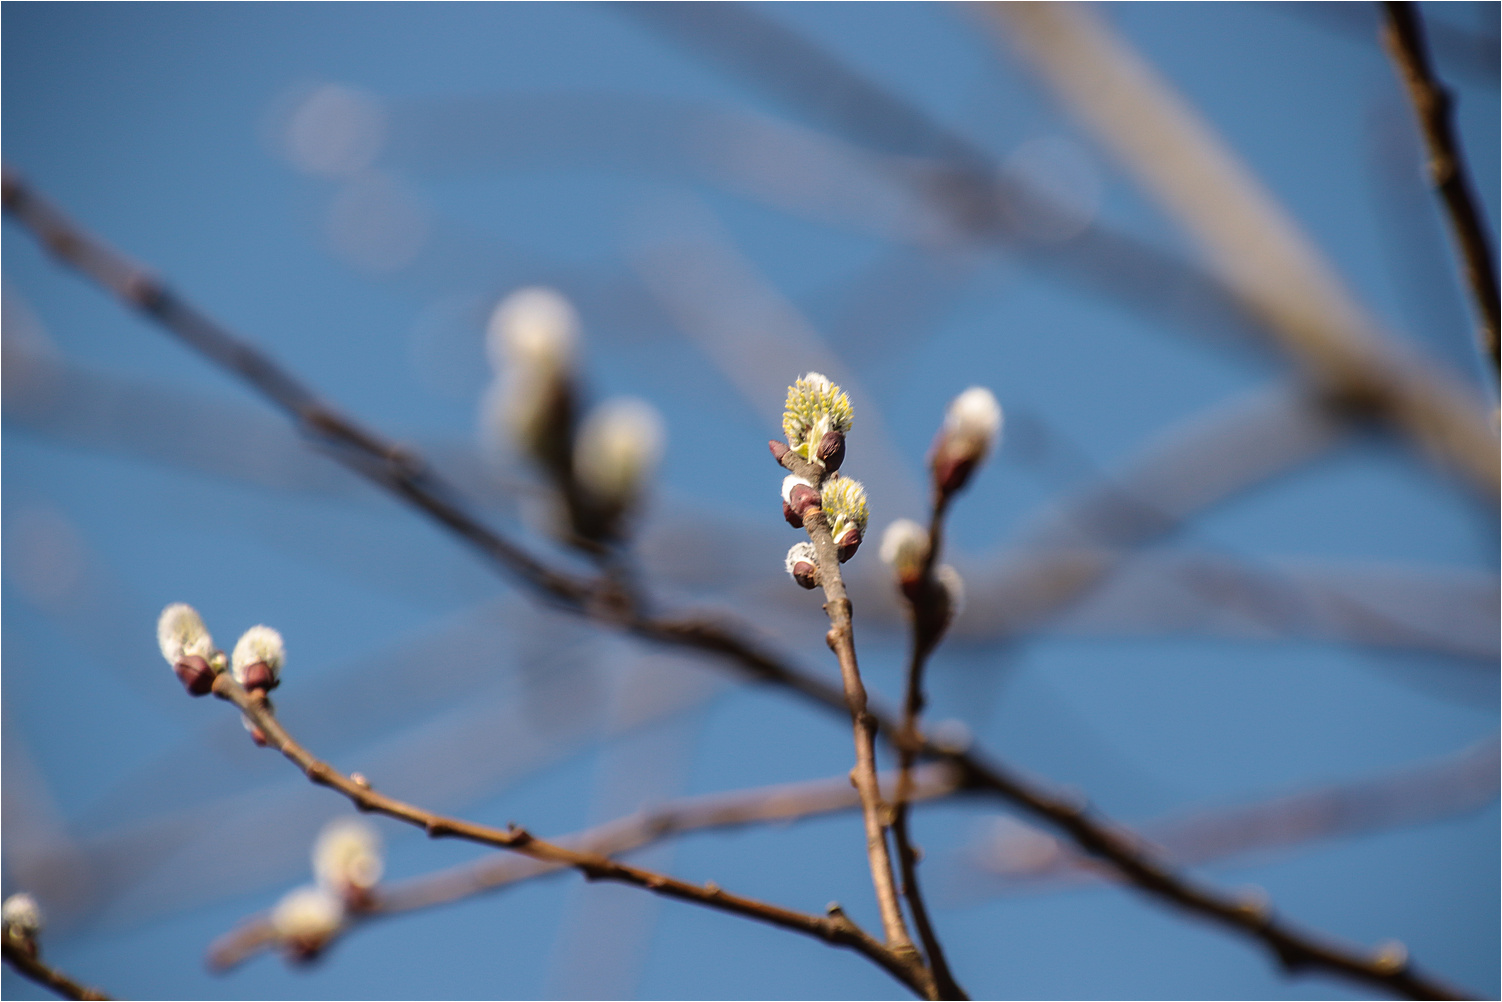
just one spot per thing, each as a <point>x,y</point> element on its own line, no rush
<point>1265,265</point>
<point>1012,595</point>
<point>768,805</point>
<point>835,928</point>
<point>931,612</point>
<point>976,200</point>
<point>1257,248</point>
<point>1426,609</point>
<point>1403,35</point>
<point>1073,543</point>
<point>1418,794</point>
<point>399,472</point>
<point>31,966</point>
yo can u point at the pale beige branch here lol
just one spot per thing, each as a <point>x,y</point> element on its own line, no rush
<point>1254,245</point>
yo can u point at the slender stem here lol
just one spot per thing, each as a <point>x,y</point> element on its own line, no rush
<point>835,927</point>
<point>389,467</point>
<point>930,615</point>
<point>28,964</point>
<point>1432,101</point>
<point>841,640</point>
<point>717,811</point>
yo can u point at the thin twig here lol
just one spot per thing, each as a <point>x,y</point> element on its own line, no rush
<point>930,615</point>
<point>1403,35</point>
<point>835,927</point>
<point>717,811</point>
<point>841,640</point>
<point>31,966</point>
<point>1296,948</point>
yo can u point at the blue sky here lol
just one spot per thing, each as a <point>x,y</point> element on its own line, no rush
<point>584,147</point>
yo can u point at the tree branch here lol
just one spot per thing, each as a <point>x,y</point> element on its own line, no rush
<point>1296,948</point>
<point>930,616</point>
<point>841,640</point>
<point>1403,35</point>
<point>835,927</point>
<point>1253,243</point>
<point>28,964</point>
<point>744,808</point>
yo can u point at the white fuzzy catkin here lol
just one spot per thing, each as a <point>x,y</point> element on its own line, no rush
<point>259,643</point>
<point>973,422</point>
<point>21,914</point>
<point>801,553</point>
<point>347,856</point>
<point>308,915</point>
<point>534,329</point>
<point>617,450</point>
<point>180,633</point>
<point>954,587</point>
<point>904,546</point>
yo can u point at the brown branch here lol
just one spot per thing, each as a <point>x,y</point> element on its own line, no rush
<point>841,640</point>
<point>781,803</point>
<point>1403,35</point>
<point>367,453</point>
<point>1416,794</point>
<point>28,964</point>
<point>1296,948</point>
<point>835,927</point>
<point>930,616</point>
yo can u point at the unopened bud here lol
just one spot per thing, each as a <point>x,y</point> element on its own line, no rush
<point>1391,957</point>
<point>533,329</point>
<point>306,919</point>
<point>972,424</point>
<point>954,589</point>
<point>803,564</point>
<point>196,675</point>
<point>347,860</point>
<point>21,916</point>
<point>798,496</point>
<point>904,548</point>
<point>617,449</point>
<point>779,449</point>
<point>831,450</point>
<point>258,657</point>
<point>848,542</point>
<point>257,735</point>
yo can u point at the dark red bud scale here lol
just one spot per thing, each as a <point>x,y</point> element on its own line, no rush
<point>800,499</point>
<point>779,449</point>
<point>849,543</point>
<point>806,574</point>
<point>259,676</point>
<point>912,587</point>
<point>791,516</point>
<point>196,675</point>
<point>831,450</point>
<point>952,467</point>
